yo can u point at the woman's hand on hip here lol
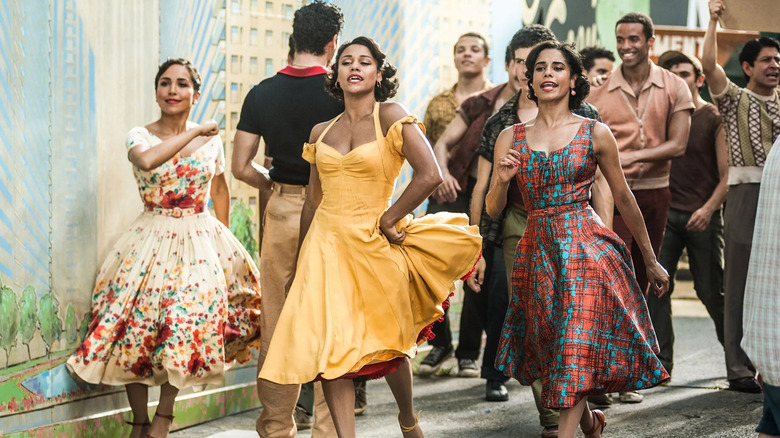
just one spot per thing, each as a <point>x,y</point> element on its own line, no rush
<point>391,232</point>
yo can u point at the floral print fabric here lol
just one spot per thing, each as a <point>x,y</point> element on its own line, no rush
<point>178,298</point>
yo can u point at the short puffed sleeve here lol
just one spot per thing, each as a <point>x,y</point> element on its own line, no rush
<point>395,136</point>
<point>137,136</point>
<point>309,152</point>
<point>220,160</point>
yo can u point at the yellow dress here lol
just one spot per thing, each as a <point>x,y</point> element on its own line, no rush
<point>356,299</point>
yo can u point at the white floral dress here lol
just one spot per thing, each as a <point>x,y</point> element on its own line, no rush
<point>178,297</point>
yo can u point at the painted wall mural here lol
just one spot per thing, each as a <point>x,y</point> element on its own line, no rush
<point>47,199</point>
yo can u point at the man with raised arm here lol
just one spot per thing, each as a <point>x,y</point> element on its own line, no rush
<point>752,120</point>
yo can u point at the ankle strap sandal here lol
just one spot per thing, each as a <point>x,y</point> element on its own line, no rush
<point>407,429</point>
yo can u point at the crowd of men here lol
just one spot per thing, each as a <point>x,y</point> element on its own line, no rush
<point>680,154</point>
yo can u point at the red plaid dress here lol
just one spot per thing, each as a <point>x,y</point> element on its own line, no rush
<point>577,319</point>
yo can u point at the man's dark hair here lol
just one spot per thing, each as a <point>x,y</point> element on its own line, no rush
<point>291,51</point>
<point>638,17</point>
<point>385,89</point>
<point>473,35</point>
<point>581,85</point>
<point>315,25</point>
<point>194,75</point>
<point>677,58</point>
<point>753,47</point>
<point>528,36</point>
<point>591,54</point>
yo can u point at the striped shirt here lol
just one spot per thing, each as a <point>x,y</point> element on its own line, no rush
<point>752,124</point>
<point>761,317</point>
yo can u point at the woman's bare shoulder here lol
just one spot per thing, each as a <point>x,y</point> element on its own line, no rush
<point>389,113</point>
<point>317,130</point>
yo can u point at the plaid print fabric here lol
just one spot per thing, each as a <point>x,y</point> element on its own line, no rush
<point>492,230</point>
<point>761,317</point>
<point>577,319</point>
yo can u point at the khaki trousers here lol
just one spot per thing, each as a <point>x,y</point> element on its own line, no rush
<point>278,255</point>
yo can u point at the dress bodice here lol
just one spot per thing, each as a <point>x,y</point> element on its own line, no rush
<point>181,183</point>
<point>560,178</point>
<point>359,184</point>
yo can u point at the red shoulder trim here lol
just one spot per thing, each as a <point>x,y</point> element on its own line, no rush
<point>304,72</point>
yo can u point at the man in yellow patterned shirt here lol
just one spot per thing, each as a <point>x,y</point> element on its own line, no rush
<point>471,61</point>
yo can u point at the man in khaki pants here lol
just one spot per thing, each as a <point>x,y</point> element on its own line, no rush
<point>283,109</point>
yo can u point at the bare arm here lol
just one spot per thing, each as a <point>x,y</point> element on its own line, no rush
<point>700,218</point>
<point>245,146</point>
<point>313,199</point>
<point>505,164</point>
<point>674,146</point>
<point>426,175</point>
<point>484,170</point>
<point>607,152</point>
<point>147,158</point>
<point>603,203</point>
<point>220,197</point>
<point>716,77</point>
<point>448,190</point>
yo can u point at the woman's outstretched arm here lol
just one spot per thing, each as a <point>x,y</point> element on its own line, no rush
<point>147,158</point>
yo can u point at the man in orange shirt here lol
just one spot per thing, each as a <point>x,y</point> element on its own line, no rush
<point>649,111</point>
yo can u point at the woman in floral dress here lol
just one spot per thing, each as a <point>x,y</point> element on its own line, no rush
<point>178,298</point>
<point>577,319</point>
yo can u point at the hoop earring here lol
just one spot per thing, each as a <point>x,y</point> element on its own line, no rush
<point>378,84</point>
<point>338,86</point>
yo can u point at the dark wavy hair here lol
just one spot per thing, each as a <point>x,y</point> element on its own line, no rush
<point>315,25</point>
<point>386,89</point>
<point>581,85</point>
<point>529,36</point>
<point>589,56</point>
<point>752,48</point>
<point>640,18</point>
<point>194,75</point>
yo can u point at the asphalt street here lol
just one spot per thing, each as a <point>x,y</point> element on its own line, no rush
<point>694,404</point>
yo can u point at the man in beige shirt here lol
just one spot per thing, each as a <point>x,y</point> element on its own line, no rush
<point>649,111</point>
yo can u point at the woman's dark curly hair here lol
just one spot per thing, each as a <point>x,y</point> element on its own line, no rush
<point>386,89</point>
<point>194,75</point>
<point>573,59</point>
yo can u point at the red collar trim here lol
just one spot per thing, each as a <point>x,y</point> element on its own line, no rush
<point>304,72</point>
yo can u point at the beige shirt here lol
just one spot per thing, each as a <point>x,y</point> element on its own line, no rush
<point>643,122</point>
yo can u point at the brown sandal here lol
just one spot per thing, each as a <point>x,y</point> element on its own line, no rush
<point>167,417</point>
<point>143,425</point>
<point>599,422</point>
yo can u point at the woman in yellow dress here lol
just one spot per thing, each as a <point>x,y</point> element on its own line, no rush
<point>369,279</point>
